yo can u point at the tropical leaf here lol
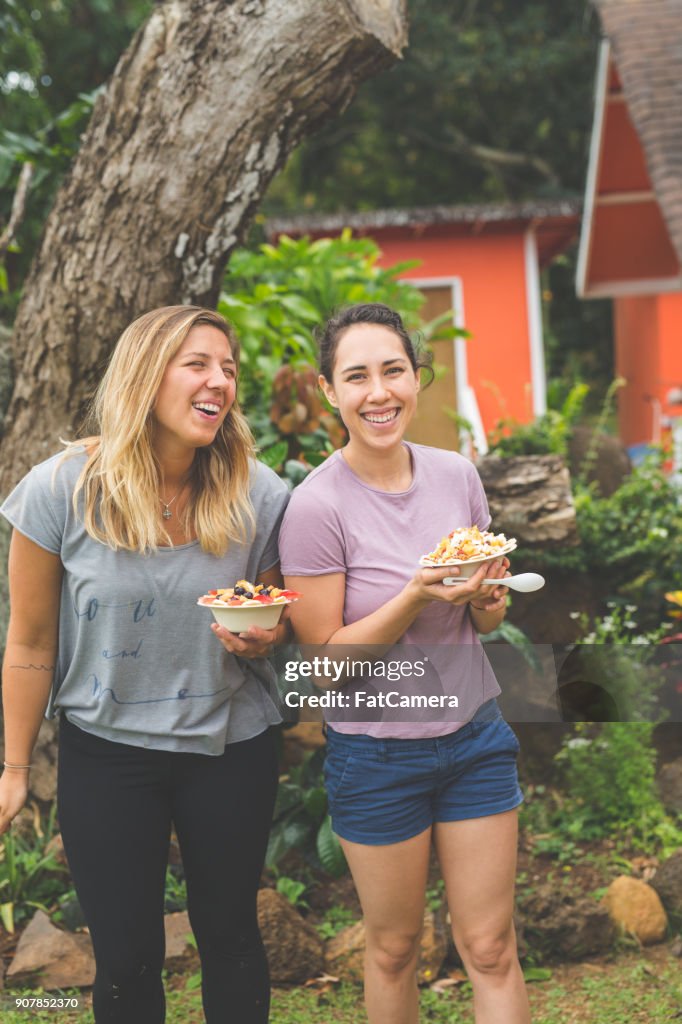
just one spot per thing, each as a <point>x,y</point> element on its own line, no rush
<point>329,850</point>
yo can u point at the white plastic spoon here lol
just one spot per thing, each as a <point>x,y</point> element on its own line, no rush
<point>525,582</point>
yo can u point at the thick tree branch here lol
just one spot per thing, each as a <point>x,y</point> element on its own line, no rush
<point>18,208</point>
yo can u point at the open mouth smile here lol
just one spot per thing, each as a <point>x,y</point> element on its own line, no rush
<point>381,417</point>
<point>209,410</point>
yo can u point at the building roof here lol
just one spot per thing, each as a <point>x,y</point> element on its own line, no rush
<point>645,58</point>
<point>464,213</point>
<point>555,220</point>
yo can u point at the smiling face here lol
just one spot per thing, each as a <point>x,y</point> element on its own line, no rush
<point>373,386</point>
<point>196,392</point>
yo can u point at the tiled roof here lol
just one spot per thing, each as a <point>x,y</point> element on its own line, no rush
<point>470,213</point>
<point>646,41</point>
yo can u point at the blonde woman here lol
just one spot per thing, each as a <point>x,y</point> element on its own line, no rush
<point>161,724</point>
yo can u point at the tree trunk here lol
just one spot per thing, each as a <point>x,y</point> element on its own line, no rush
<point>530,499</point>
<point>202,110</point>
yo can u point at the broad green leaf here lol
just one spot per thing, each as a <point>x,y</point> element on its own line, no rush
<point>315,802</point>
<point>275,455</point>
<point>329,850</point>
<point>7,916</point>
<point>537,974</point>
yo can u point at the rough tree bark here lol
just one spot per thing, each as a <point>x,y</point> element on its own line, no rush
<point>202,110</point>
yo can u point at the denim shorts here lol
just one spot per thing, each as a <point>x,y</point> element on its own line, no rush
<point>384,791</point>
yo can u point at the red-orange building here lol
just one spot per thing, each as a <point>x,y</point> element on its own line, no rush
<point>631,241</point>
<point>483,263</point>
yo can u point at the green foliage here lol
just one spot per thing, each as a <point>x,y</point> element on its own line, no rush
<point>609,772</point>
<point>547,435</point>
<point>632,538</point>
<point>435,895</point>
<point>474,75</point>
<point>276,297</point>
<point>55,55</point>
<point>292,889</point>
<point>336,918</point>
<point>50,149</point>
<point>620,657</point>
<point>300,819</point>
<point>175,894</point>
<point>506,632</point>
<point>30,876</point>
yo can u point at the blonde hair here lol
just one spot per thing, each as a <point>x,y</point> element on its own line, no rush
<point>119,484</point>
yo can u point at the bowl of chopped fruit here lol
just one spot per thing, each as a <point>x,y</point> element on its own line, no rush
<point>247,604</point>
<point>469,548</point>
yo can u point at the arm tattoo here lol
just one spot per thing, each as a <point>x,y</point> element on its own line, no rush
<point>36,668</point>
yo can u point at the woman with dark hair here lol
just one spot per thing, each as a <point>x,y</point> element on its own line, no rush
<point>161,724</point>
<point>350,543</point>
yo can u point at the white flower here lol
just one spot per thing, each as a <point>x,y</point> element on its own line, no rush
<point>578,741</point>
<point>630,608</point>
<point>640,640</point>
<point>659,531</point>
<point>630,624</point>
<point>574,615</point>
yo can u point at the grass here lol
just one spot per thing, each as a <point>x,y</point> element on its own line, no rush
<point>630,990</point>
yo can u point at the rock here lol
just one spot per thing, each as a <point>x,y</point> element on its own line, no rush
<point>345,953</point>
<point>434,947</point>
<point>52,958</point>
<point>669,781</point>
<point>668,884</point>
<point>560,924</point>
<point>636,908</point>
<point>610,467</point>
<point>295,951</point>
<point>181,955</point>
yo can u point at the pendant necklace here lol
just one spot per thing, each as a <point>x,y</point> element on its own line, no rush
<point>166,506</point>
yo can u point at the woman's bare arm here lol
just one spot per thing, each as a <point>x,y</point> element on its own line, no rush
<point>35,577</point>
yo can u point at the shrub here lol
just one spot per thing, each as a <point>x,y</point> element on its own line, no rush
<point>610,784</point>
<point>276,297</point>
<point>547,435</point>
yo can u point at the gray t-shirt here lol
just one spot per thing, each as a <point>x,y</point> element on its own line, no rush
<point>137,662</point>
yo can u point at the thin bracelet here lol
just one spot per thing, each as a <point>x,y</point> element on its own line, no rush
<point>23,767</point>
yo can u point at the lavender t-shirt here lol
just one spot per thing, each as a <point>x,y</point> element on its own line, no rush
<point>337,523</point>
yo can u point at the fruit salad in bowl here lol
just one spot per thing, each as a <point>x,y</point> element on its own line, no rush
<point>468,547</point>
<point>247,604</point>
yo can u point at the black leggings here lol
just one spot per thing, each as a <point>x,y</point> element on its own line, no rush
<point>116,806</point>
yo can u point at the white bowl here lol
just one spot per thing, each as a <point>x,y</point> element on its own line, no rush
<point>237,619</point>
<point>468,566</point>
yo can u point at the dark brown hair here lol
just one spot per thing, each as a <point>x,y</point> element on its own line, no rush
<point>366,313</point>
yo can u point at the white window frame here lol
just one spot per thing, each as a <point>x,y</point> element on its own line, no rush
<point>467,405</point>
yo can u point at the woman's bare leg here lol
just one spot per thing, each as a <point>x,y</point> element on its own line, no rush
<point>478,861</point>
<point>391,884</point>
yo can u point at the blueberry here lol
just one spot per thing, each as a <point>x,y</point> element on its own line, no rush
<point>239,592</point>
